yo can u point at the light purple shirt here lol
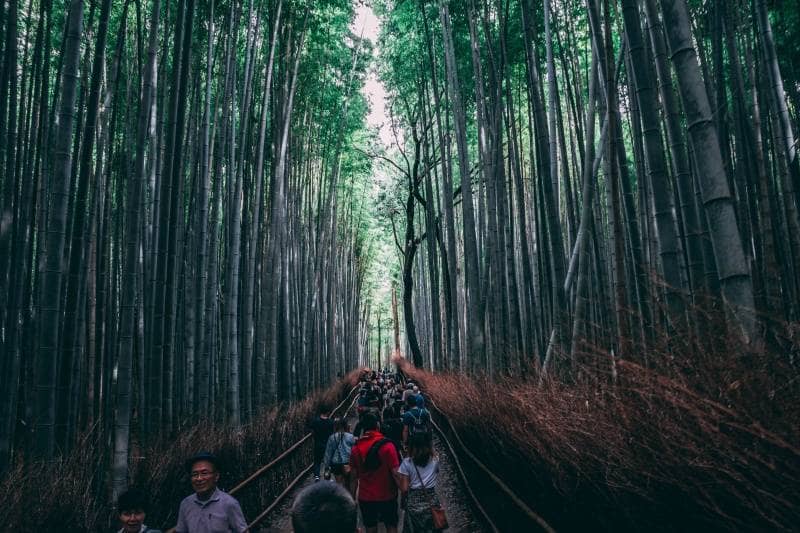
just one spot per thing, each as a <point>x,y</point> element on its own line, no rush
<point>220,513</point>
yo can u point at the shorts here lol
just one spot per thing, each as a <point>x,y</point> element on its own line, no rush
<point>374,512</point>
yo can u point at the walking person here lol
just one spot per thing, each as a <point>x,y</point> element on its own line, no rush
<point>392,425</point>
<point>321,427</point>
<point>324,508</point>
<point>208,510</point>
<point>417,477</point>
<point>131,507</point>
<point>337,452</point>
<point>417,419</point>
<point>374,461</point>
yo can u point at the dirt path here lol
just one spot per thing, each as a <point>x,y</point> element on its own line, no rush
<point>462,517</point>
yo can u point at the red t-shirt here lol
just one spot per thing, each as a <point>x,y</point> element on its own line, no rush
<point>374,485</point>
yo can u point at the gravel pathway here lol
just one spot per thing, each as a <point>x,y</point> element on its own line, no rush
<point>460,514</point>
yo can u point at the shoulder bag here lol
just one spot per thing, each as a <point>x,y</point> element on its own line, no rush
<point>437,510</point>
<point>345,466</point>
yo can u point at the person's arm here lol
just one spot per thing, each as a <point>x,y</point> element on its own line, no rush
<point>236,519</point>
<point>353,473</point>
<point>182,526</point>
<point>401,477</point>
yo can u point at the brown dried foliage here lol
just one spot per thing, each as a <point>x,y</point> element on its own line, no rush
<point>709,438</point>
<point>64,495</point>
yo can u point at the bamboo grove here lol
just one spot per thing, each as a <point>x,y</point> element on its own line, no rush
<point>183,234</point>
<point>189,223</point>
<point>632,174</point>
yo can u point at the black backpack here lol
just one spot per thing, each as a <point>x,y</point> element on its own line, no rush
<point>373,461</point>
<point>393,429</point>
<point>421,423</point>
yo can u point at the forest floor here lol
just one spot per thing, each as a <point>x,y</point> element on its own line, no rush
<point>450,488</point>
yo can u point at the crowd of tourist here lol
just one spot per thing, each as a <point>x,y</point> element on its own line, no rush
<point>385,463</point>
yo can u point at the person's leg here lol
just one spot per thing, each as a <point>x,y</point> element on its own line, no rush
<point>389,515</point>
<point>370,512</point>
<point>318,456</point>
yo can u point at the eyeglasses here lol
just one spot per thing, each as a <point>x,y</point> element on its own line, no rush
<point>202,473</point>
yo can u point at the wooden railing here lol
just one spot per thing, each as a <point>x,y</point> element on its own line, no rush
<point>348,401</point>
<point>286,453</point>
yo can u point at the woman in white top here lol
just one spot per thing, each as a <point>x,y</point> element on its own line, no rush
<point>417,476</point>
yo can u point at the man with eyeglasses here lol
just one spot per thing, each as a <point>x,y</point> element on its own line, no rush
<point>208,510</point>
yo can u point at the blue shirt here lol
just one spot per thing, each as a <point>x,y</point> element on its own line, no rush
<point>338,449</point>
<point>220,513</point>
<point>416,414</point>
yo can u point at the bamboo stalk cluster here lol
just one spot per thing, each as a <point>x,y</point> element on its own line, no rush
<point>183,233</point>
<point>590,173</point>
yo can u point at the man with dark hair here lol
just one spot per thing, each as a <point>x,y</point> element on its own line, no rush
<point>374,462</point>
<point>321,427</point>
<point>131,506</point>
<point>416,419</point>
<point>324,508</point>
<point>208,509</point>
<point>392,425</point>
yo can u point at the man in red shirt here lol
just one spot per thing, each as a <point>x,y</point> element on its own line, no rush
<point>374,461</point>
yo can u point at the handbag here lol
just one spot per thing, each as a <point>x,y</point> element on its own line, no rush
<point>439,517</point>
<point>437,510</point>
<point>345,466</point>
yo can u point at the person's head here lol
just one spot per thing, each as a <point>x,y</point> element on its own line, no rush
<point>204,472</point>
<point>369,421</point>
<point>324,507</point>
<point>340,424</point>
<point>420,400</point>
<point>131,510</point>
<point>411,401</point>
<point>420,448</point>
<point>410,386</point>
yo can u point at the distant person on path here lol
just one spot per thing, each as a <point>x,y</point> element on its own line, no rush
<point>337,452</point>
<point>358,431</point>
<point>416,419</point>
<point>208,510</point>
<point>321,427</point>
<point>417,475</point>
<point>397,394</point>
<point>374,461</point>
<point>324,508</point>
<point>131,507</point>
<point>392,425</point>
<point>409,391</point>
